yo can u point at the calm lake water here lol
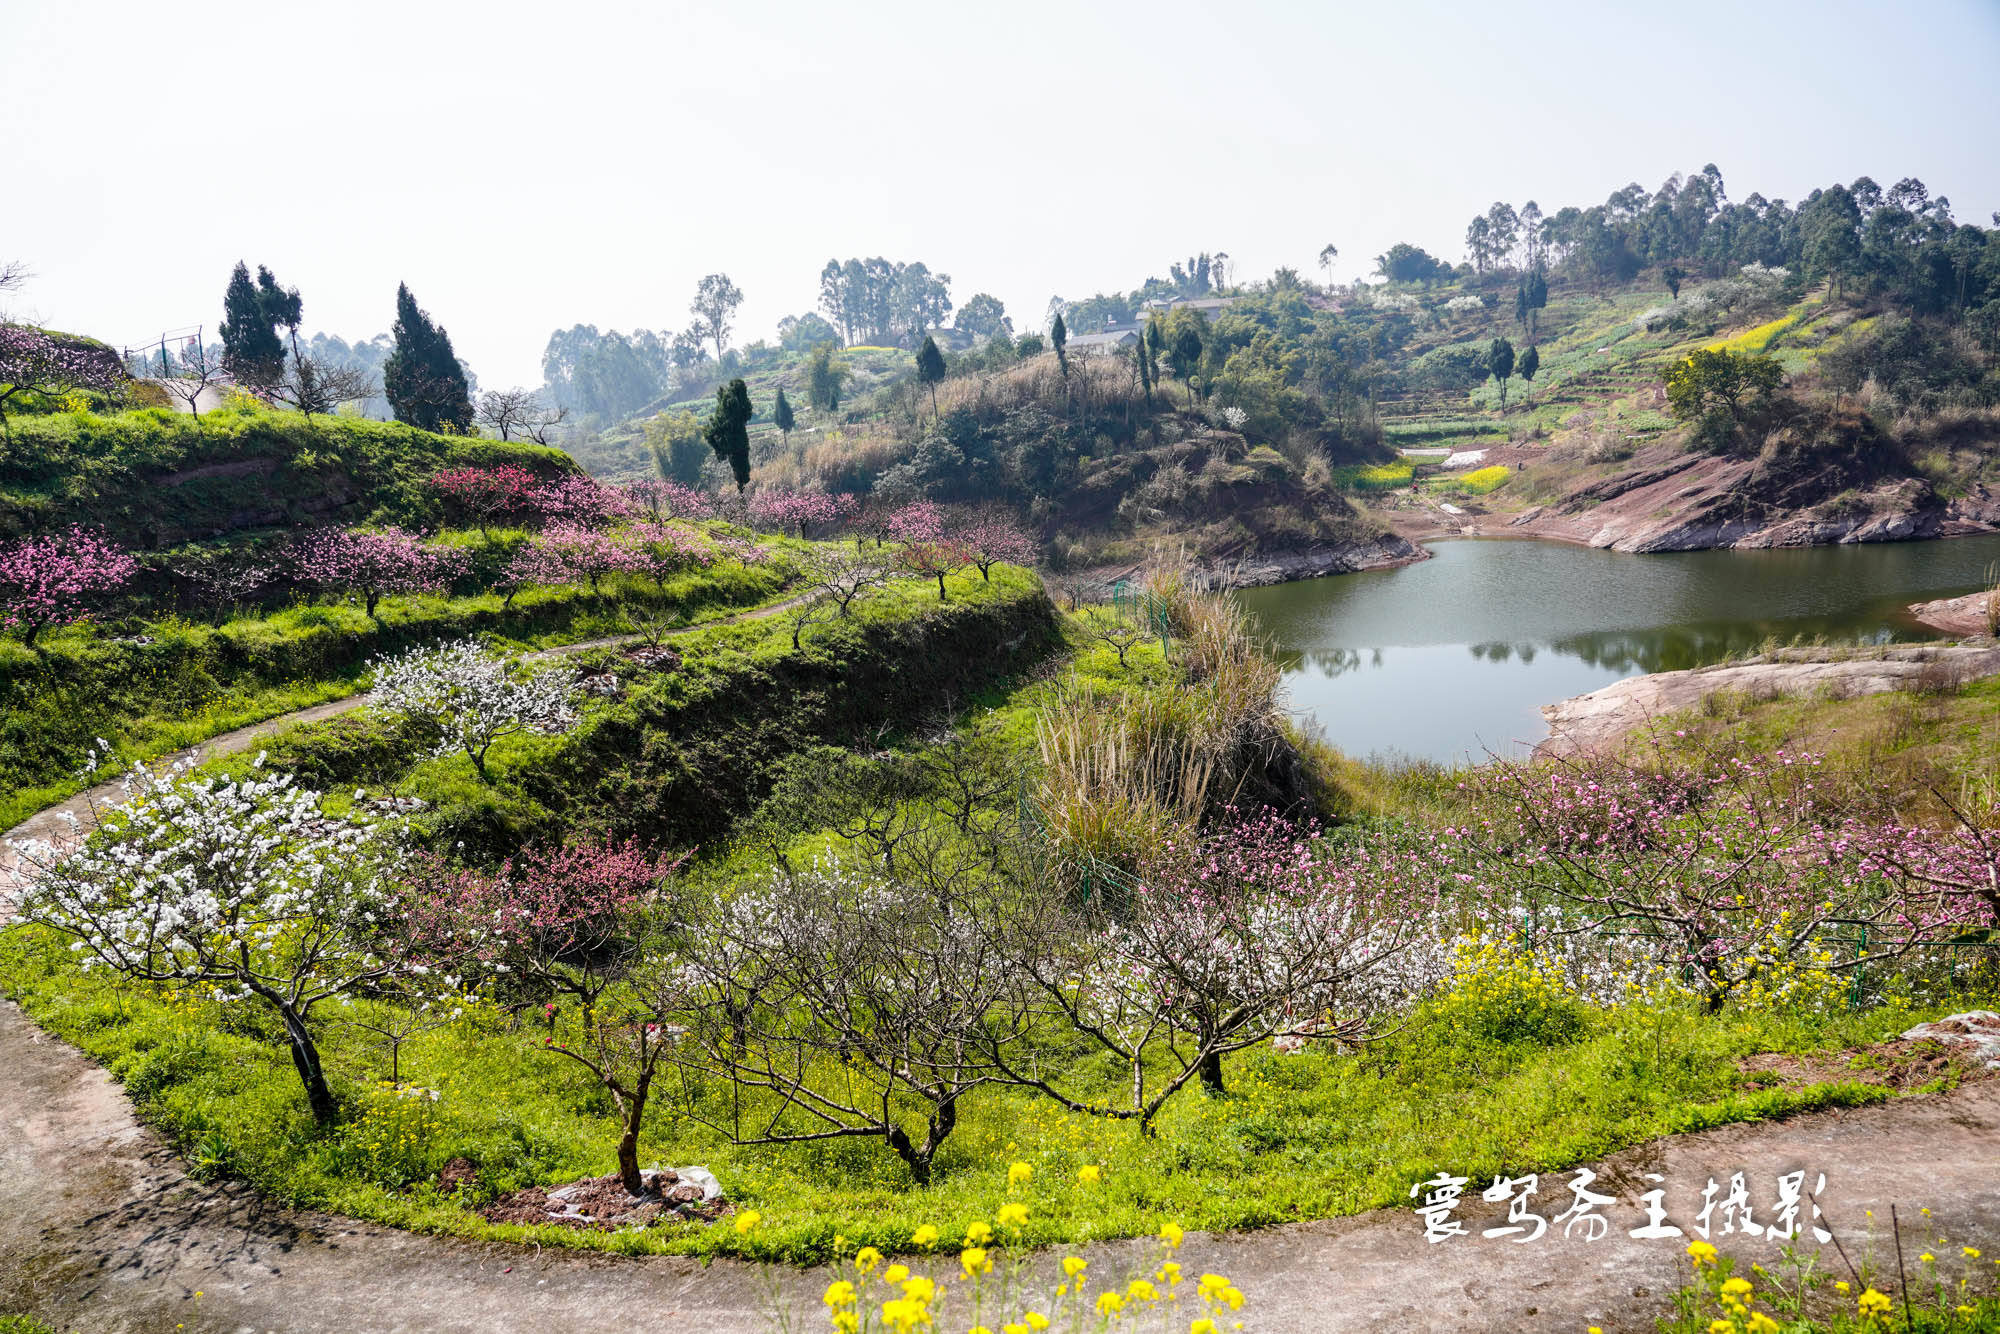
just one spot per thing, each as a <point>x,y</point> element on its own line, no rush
<point>1453,657</point>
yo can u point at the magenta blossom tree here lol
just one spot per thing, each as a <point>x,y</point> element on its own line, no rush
<point>486,496</point>
<point>31,362</point>
<point>372,564</point>
<point>920,521</point>
<point>54,580</point>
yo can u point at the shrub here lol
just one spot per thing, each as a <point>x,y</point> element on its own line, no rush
<point>1501,992</point>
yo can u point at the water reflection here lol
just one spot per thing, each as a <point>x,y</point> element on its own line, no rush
<point>1455,655</point>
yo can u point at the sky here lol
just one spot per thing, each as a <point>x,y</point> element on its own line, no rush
<point>529,166</point>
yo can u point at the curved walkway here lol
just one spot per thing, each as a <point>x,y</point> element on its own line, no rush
<point>101,1228</point>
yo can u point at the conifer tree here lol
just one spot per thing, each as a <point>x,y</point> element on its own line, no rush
<point>252,353</point>
<point>728,430</point>
<point>781,415</point>
<point>930,367</point>
<point>422,379</point>
<point>1531,361</point>
<point>1059,335</point>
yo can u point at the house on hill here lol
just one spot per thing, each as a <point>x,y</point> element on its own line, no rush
<point>1114,337</point>
<point>1210,306</point>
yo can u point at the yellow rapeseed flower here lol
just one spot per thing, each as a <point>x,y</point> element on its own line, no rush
<point>1109,1303</point>
<point>1017,1173</point>
<point>1012,1215</point>
<point>1207,1326</point>
<point>1702,1253</point>
<point>1926,1257</point>
<point>867,1258</point>
<point>926,1235</point>
<point>1090,1174</point>
<point>839,1293</point>
<point>895,1273</point>
<point>1736,1287</point>
<point>1072,1266</point>
<point>919,1289</point>
<point>1762,1324</point>
<point>1873,1303</point>
<point>1035,1320</point>
<point>978,1234</point>
<point>1971,1252</point>
<point>974,1260</point>
<point>1722,1327</point>
<point>1171,1234</point>
<point>746,1220</point>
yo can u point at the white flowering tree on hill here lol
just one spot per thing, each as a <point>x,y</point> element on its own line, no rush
<point>246,887</point>
<point>468,697</point>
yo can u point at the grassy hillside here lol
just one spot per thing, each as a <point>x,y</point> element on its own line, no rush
<point>153,479</point>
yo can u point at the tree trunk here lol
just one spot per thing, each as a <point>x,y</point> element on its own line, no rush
<point>940,588</point>
<point>305,1058</point>
<point>628,1143</point>
<point>1211,1071</point>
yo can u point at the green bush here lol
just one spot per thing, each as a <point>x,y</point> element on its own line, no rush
<point>153,479</point>
<point>1501,993</point>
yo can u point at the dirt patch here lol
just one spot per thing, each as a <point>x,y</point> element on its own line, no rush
<point>603,1204</point>
<point>1897,1064</point>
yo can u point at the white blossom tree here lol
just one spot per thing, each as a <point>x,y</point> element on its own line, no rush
<point>248,887</point>
<point>469,697</point>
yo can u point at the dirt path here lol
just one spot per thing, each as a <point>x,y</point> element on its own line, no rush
<point>54,821</point>
<point>100,1229</point>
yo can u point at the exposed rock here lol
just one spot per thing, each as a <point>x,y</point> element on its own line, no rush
<point>1380,553</point>
<point>1955,616</point>
<point>1599,721</point>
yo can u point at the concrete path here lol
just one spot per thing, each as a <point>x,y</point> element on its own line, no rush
<point>101,1230</point>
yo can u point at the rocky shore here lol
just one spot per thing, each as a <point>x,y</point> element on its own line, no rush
<point>1601,720</point>
<point>1956,616</point>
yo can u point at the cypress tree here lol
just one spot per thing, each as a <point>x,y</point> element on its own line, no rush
<point>252,352</point>
<point>930,367</point>
<point>421,378</point>
<point>728,430</point>
<point>1059,335</point>
<point>781,415</point>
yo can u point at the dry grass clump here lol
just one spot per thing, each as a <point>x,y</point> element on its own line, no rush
<point>1098,384</point>
<point>1124,770</point>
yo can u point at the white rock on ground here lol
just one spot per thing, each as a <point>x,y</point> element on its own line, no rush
<point>1978,1029</point>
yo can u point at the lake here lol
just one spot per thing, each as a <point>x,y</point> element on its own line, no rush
<point>1452,658</point>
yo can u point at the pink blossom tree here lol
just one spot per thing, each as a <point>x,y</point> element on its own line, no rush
<point>573,922</point>
<point>485,496</point>
<point>662,550</point>
<point>375,563</point>
<point>1729,874</point>
<point>660,501</point>
<point>1262,929</point>
<point>990,538</point>
<point>584,555</point>
<point>795,511</point>
<point>580,500</point>
<point>54,580</point>
<point>920,521</point>
<point>32,362</point>
<point>933,558</point>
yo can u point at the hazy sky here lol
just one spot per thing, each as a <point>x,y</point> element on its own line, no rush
<point>526,166</point>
